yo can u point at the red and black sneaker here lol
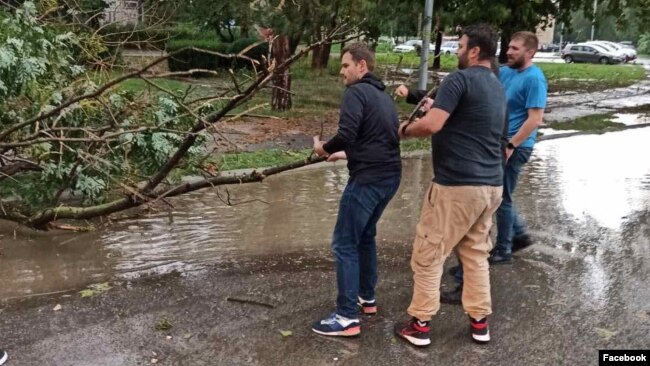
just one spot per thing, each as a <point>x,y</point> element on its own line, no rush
<point>480,330</point>
<point>368,307</point>
<point>415,331</point>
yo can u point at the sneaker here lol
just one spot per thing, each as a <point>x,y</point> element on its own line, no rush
<point>499,258</point>
<point>480,330</point>
<point>368,307</point>
<point>3,357</point>
<point>521,242</point>
<point>414,331</point>
<point>336,325</point>
<point>453,297</point>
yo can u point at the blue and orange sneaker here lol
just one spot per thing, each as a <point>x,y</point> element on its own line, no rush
<point>415,331</point>
<point>336,325</point>
<point>3,357</point>
<point>368,307</point>
<point>480,330</point>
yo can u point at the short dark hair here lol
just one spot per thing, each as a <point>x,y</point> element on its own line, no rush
<point>528,38</point>
<point>360,51</point>
<point>482,36</point>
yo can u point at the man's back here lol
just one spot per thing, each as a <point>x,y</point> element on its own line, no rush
<point>467,150</point>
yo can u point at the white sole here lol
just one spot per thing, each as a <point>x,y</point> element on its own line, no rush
<point>3,359</point>
<point>481,338</point>
<point>345,333</point>
<point>417,341</point>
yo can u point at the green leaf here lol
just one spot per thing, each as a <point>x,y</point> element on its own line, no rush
<point>605,334</point>
<point>87,293</point>
<point>286,333</point>
<point>95,289</point>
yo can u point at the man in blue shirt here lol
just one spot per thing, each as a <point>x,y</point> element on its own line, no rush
<point>525,87</point>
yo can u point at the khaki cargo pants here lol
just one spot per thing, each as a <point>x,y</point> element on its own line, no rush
<point>460,218</point>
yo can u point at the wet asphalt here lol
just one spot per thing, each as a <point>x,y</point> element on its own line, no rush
<point>582,287</point>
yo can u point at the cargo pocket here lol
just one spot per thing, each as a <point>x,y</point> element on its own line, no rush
<point>428,247</point>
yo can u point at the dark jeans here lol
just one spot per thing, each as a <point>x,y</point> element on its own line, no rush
<point>353,242</point>
<point>509,224</point>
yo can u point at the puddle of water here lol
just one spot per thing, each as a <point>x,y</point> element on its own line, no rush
<point>551,132</point>
<point>591,189</point>
<point>631,119</point>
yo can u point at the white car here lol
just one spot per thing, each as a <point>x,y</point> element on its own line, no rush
<point>404,48</point>
<point>449,48</point>
<point>629,49</point>
<point>615,48</point>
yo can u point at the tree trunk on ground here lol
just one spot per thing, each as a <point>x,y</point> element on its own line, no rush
<point>281,96</point>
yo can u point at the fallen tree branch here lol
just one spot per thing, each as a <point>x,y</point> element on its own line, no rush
<point>79,213</point>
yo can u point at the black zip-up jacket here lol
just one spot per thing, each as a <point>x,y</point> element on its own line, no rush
<point>367,132</point>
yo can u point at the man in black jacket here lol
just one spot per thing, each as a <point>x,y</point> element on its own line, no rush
<point>367,136</point>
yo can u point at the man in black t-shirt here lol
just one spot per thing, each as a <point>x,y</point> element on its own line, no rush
<point>466,122</point>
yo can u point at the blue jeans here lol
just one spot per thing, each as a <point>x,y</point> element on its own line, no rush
<point>509,224</point>
<point>353,242</point>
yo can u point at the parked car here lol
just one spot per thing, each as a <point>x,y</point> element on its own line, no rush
<point>449,48</point>
<point>630,48</point>
<point>404,48</point>
<point>627,55</point>
<point>589,52</point>
<point>418,43</point>
<point>549,47</point>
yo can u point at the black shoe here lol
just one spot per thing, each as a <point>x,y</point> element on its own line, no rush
<point>452,270</point>
<point>3,357</point>
<point>368,307</point>
<point>453,297</point>
<point>480,330</point>
<point>499,258</point>
<point>414,331</point>
<point>521,242</point>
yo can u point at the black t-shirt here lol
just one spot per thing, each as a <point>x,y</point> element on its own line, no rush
<point>468,150</point>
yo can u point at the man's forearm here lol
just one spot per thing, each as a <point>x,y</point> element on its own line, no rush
<point>526,129</point>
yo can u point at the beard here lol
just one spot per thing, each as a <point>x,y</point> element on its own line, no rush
<point>516,63</point>
<point>463,62</point>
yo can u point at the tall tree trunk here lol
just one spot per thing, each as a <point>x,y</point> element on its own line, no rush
<point>315,57</point>
<point>293,44</point>
<point>321,56</point>
<point>505,40</point>
<point>281,96</point>
<point>436,60</point>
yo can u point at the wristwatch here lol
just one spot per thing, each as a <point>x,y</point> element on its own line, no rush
<point>511,146</point>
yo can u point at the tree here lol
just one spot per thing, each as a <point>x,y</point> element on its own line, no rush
<point>228,19</point>
<point>73,145</point>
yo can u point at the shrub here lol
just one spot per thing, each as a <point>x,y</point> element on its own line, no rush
<point>644,44</point>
